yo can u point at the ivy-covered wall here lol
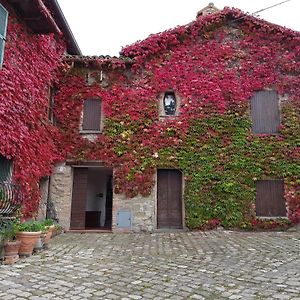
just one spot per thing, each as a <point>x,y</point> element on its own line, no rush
<point>214,65</point>
<point>29,69</point>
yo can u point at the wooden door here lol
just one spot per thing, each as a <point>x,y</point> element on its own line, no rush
<point>169,199</point>
<point>79,195</point>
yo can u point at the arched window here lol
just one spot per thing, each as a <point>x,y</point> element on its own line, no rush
<point>169,104</point>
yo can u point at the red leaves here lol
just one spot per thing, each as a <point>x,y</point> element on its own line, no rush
<point>29,68</point>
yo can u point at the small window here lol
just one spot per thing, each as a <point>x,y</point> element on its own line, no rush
<point>265,112</point>
<point>91,115</point>
<point>169,104</point>
<point>52,92</point>
<point>5,169</point>
<point>270,200</point>
<point>3,26</point>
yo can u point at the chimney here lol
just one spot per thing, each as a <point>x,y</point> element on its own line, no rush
<point>208,10</point>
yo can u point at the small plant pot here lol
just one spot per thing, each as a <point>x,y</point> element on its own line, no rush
<point>48,236</point>
<point>12,248</point>
<point>52,229</point>
<point>28,241</point>
<point>39,245</point>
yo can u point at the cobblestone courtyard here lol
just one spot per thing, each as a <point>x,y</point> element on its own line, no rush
<point>182,265</point>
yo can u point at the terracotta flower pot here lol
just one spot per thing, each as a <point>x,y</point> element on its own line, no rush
<point>39,245</point>
<point>12,248</point>
<point>48,236</point>
<point>28,241</point>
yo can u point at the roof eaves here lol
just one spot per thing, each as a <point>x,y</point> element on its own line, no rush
<point>72,44</point>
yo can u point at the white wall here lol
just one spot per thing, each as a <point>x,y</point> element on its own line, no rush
<point>97,180</point>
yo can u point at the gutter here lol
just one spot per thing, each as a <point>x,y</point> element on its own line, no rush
<point>63,25</point>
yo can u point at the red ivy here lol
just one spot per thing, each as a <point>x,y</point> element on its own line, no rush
<point>30,61</point>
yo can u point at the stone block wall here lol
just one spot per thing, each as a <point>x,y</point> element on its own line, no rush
<point>143,211</point>
<point>61,194</point>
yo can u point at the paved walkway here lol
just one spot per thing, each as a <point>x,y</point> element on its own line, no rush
<point>183,265</point>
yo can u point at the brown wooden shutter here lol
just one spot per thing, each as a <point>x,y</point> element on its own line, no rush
<point>79,195</point>
<point>270,200</point>
<point>265,112</point>
<point>91,114</point>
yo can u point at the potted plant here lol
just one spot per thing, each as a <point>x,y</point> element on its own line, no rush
<point>11,245</point>
<point>57,230</point>
<point>29,232</point>
<point>49,225</point>
<point>40,243</point>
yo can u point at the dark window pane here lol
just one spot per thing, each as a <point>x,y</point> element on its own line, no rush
<point>169,104</point>
<point>5,169</point>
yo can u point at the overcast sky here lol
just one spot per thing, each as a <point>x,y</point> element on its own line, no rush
<point>102,27</point>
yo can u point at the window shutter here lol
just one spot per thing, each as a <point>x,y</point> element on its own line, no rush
<point>3,26</point>
<point>91,114</point>
<point>265,112</point>
<point>270,200</point>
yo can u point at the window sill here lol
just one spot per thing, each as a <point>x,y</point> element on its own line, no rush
<point>90,131</point>
<point>163,117</point>
<point>271,218</point>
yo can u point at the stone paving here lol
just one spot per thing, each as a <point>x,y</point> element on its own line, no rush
<point>173,265</point>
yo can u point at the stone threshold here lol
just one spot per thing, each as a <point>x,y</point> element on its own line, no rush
<point>104,230</point>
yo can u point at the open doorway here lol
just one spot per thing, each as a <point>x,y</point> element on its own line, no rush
<point>92,198</point>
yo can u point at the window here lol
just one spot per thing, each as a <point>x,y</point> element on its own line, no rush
<point>3,25</point>
<point>52,92</point>
<point>91,115</point>
<point>265,112</point>
<point>5,169</point>
<point>169,104</point>
<point>270,200</point>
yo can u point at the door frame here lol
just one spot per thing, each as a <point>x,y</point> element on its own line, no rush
<point>88,165</point>
<point>182,198</point>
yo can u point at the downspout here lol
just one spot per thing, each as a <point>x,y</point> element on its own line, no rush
<point>48,15</point>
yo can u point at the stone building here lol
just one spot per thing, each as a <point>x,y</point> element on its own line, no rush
<point>193,127</point>
<point>34,36</point>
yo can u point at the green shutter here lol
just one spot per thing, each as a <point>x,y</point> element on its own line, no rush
<point>1,51</point>
<point>3,26</point>
<point>3,21</point>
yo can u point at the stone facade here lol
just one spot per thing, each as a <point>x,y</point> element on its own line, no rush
<point>61,194</point>
<point>142,209</point>
<point>44,190</point>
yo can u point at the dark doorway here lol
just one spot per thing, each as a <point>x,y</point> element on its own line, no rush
<point>92,198</point>
<point>169,198</point>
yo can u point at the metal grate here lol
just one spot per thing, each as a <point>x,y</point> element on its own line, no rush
<point>10,199</point>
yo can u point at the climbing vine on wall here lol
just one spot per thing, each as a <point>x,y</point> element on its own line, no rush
<point>214,65</point>
<point>30,65</point>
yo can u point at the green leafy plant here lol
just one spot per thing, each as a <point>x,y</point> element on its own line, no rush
<point>48,222</point>
<point>9,231</point>
<point>31,226</point>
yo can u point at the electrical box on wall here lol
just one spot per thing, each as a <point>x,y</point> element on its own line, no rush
<point>124,219</point>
